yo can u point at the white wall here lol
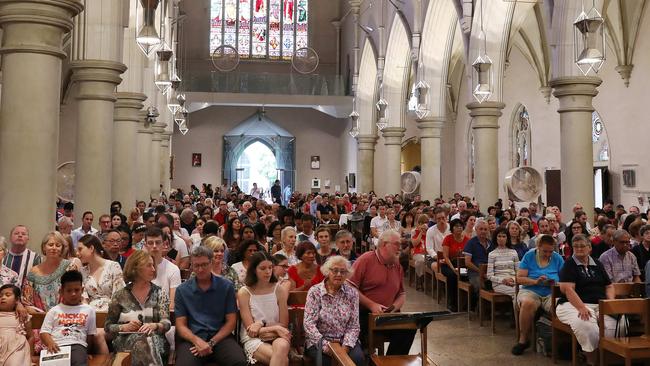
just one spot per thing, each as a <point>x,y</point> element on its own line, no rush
<point>316,134</point>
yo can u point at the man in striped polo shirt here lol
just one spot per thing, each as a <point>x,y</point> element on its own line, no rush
<point>19,258</point>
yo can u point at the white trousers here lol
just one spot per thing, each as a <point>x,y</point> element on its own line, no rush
<point>418,261</point>
<point>586,332</point>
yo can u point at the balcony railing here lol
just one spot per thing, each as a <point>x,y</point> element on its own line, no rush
<point>265,83</point>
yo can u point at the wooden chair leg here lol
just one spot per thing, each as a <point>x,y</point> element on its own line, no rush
<point>469,305</point>
<point>554,344</point>
<point>438,288</point>
<point>601,356</point>
<point>492,306</point>
<point>481,301</point>
<point>574,350</point>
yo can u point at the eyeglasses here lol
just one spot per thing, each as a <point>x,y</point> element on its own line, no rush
<point>337,271</point>
<point>111,241</point>
<point>154,242</point>
<point>201,265</point>
<point>285,266</point>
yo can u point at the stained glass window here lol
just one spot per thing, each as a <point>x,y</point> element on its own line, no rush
<point>521,136</point>
<point>599,138</point>
<point>271,29</point>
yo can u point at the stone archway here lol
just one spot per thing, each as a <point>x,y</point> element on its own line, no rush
<point>258,128</point>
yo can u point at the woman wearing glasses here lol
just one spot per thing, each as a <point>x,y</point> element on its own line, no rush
<point>332,313</point>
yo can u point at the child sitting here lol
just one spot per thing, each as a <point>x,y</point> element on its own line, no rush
<point>70,323</point>
<point>14,343</point>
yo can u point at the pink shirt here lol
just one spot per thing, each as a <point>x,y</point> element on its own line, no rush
<point>380,282</point>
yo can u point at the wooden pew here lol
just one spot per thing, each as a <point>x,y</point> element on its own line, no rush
<point>113,359</point>
<point>491,297</point>
<point>375,340</point>
<point>629,348</point>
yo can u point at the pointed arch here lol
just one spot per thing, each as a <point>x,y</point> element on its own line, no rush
<point>440,27</point>
<point>367,90</point>
<point>396,72</point>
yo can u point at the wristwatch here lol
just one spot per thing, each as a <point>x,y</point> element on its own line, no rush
<point>212,343</point>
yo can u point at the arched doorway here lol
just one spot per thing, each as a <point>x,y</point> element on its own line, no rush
<point>263,135</point>
<point>257,164</point>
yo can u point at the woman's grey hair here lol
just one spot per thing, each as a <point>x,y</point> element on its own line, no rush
<point>581,238</point>
<point>202,251</point>
<point>335,259</point>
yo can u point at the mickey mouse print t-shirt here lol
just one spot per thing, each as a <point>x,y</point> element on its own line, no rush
<point>70,325</point>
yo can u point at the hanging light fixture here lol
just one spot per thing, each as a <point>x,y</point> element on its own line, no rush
<point>482,73</point>
<point>172,97</point>
<point>382,107</point>
<point>147,35</point>
<point>589,40</point>
<point>183,128</point>
<point>163,78</point>
<point>354,116</point>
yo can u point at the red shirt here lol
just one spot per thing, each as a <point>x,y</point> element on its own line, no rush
<point>293,274</point>
<point>420,248</point>
<point>455,247</point>
<point>220,218</point>
<point>380,282</point>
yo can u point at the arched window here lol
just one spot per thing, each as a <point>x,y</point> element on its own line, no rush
<point>599,138</point>
<point>520,137</point>
<point>262,29</point>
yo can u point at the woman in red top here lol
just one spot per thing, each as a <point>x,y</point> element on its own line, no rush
<point>419,249</point>
<point>452,247</point>
<point>306,273</point>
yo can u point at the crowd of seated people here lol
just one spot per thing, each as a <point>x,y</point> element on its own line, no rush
<point>206,276</point>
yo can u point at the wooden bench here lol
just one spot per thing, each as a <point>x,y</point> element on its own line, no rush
<point>464,290</point>
<point>441,279</point>
<point>491,297</point>
<point>113,359</point>
<point>629,348</point>
<point>429,274</point>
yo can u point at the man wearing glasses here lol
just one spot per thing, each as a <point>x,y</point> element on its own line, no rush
<point>168,276</point>
<point>206,316</point>
<point>620,264</point>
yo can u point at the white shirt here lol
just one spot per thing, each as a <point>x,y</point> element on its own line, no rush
<point>181,247</point>
<point>434,239</point>
<point>379,223</point>
<point>168,276</point>
<point>302,237</point>
<point>70,325</point>
<point>77,233</point>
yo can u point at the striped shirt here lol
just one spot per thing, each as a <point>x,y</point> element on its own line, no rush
<point>503,263</point>
<point>21,263</point>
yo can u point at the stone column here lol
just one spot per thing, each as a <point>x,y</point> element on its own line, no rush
<point>575,95</point>
<point>96,80</point>
<point>127,116</point>
<point>156,140</point>
<point>430,156</point>
<point>29,117</point>
<point>366,163</point>
<point>144,158</point>
<point>393,142</point>
<point>485,127</point>
<point>165,153</point>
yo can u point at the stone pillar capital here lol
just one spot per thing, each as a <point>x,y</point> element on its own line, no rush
<point>128,106</point>
<point>51,19</point>
<point>393,135</point>
<point>98,78</point>
<point>336,24</point>
<point>367,142</point>
<point>491,110</point>
<point>575,93</point>
<point>431,127</point>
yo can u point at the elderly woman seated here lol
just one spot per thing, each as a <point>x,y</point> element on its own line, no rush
<point>332,313</point>
<point>538,271</point>
<point>583,282</point>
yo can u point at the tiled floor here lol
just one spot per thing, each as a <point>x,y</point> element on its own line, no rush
<point>459,342</point>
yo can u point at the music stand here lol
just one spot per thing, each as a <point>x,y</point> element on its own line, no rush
<point>414,320</point>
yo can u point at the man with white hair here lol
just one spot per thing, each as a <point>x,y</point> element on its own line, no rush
<point>18,258</point>
<point>64,225</point>
<point>462,206</point>
<point>378,277</point>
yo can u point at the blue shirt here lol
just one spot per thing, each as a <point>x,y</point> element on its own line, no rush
<point>205,310</point>
<point>551,271</point>
<point>477,251</point>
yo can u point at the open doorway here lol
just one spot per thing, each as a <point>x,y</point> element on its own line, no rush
<point>257,164</point>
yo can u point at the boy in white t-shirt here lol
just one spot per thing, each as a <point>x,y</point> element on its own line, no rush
<point>70,323</point>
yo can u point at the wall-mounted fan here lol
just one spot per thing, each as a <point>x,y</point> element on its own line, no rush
<point>410,182</point>
<point>65,181</point>
<point>305,60</point>
<point>523,184</point>
<point>225,58</point>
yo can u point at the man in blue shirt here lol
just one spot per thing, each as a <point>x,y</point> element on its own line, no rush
<point>206,315</point>
<point>539,270</point>
<point>476,253</point>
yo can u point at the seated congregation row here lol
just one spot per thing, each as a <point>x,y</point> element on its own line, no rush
<point>138,300</point>
<point>585,276</point>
